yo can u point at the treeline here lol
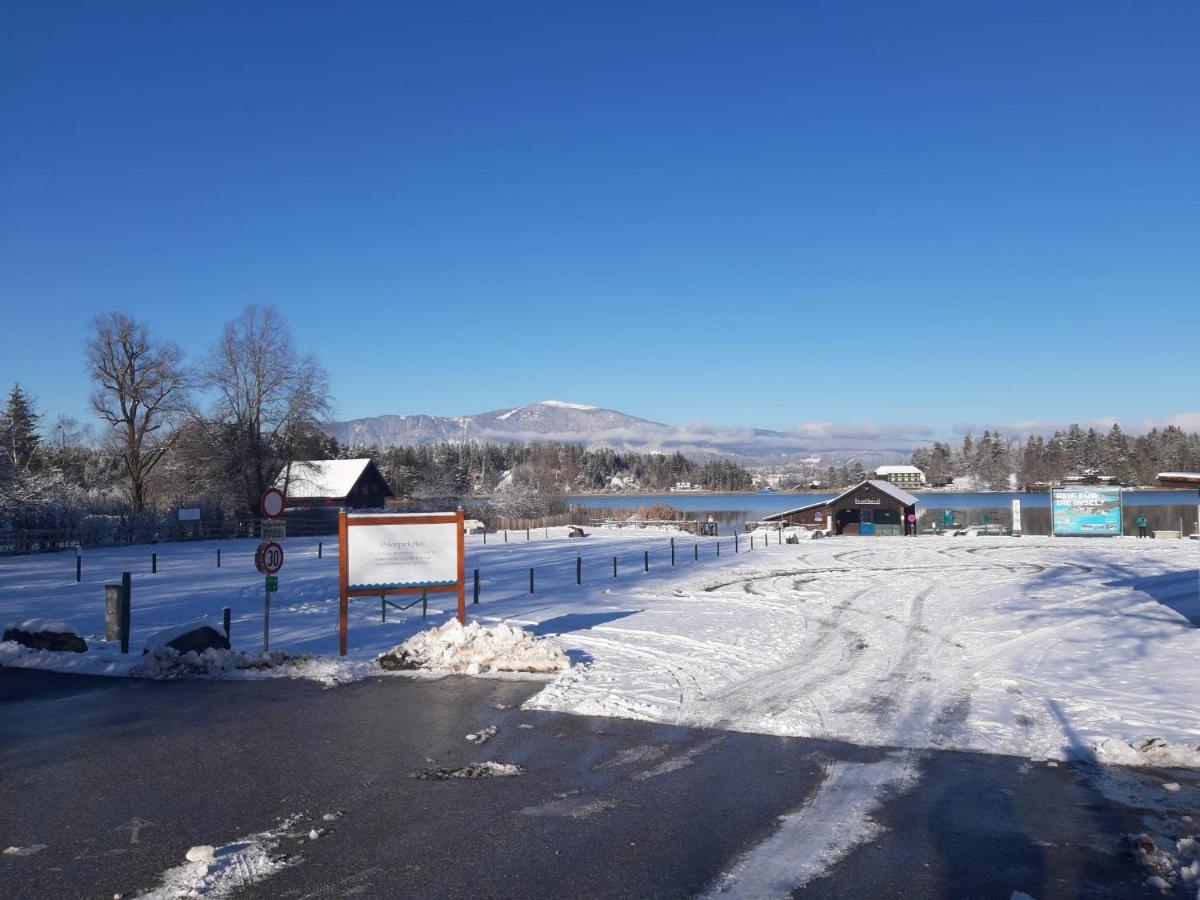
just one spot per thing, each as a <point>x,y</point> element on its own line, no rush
<point>213,432</point>
<point>996,462</point>
<point>547,471</point>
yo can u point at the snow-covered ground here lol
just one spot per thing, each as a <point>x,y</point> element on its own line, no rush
<point>1036,647</point>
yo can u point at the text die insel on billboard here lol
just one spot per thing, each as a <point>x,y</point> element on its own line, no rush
<point>1086,511</point>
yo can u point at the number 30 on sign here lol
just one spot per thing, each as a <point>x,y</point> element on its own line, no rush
<point>268,558</point>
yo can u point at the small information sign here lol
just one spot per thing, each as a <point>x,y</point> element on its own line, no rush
<point>273,529</point>
<point>272,584</point>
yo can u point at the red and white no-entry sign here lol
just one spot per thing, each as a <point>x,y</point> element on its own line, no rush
<point>271,503</point>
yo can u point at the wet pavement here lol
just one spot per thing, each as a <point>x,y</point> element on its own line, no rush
<point>119,778</point>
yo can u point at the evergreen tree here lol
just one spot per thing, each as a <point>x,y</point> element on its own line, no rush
<point>19,430</point>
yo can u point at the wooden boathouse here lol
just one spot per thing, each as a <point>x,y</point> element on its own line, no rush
<point>871,508</point>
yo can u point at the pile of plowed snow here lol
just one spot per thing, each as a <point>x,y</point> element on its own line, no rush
<point>474,649</point>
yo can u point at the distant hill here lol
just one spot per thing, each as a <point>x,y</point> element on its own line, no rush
<point>554,420</point>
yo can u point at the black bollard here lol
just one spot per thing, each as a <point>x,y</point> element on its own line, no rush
<point>153,563</point>
<point>476,586</point>
<point>218,557</point>
<point>531,581</point>
<point>126,599</point>
<point>78,567</point>
<point>225,621</point>
<point>579,570</point>
<point>646,559</point>
<point>614,567</point>
<point>320,548</point>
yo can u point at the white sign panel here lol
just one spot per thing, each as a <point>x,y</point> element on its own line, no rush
<point>273,529</point>
<point>1016,516</point>
<point>189,514</point>
<point>395,556</point>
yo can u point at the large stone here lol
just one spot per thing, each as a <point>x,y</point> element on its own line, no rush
<point>199,639</point>
<point>58,641</point>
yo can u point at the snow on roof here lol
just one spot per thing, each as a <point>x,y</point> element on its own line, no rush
<point>886,487</point>
<point>898,470</point>
<point>322,477</point>
<point>892,491</point>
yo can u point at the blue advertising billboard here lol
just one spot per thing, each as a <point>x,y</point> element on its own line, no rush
<point>1086,511</point>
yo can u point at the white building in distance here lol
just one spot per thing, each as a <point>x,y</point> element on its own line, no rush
<point>904,476</point>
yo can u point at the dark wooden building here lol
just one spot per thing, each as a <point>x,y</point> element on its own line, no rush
<point>339,483</point>
<point>870,508</point>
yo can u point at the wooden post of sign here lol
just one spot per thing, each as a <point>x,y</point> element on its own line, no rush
<point>343,581</point>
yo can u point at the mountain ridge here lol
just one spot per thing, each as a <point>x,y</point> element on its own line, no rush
<point>596,427</point>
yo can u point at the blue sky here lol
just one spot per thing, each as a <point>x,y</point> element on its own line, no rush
<point>747,214</point>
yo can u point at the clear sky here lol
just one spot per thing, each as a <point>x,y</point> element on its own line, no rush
<point>747,214</point>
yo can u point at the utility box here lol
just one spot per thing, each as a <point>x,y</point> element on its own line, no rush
<point>112,612</point>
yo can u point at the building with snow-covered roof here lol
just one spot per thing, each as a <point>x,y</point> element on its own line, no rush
<point>1179,479</point>
<point>872,507</point>
<point>905,476</point>
<point>345,483</point>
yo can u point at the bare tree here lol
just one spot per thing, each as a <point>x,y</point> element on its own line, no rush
<point>141,389</point>
<point>269,399</point>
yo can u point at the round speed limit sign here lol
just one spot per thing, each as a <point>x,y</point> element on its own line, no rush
<point>269,557</point>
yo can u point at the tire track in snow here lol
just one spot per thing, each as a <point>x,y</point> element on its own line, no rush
<point>831,823</point>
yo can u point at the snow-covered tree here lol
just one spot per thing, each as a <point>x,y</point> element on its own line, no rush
<point>19,430</point>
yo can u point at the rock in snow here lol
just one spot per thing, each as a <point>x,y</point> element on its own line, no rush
<point>474,649</point>
<point>188,638</point>
<point>41,634</point>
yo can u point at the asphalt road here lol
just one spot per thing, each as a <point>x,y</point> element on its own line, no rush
<point>118,778</point>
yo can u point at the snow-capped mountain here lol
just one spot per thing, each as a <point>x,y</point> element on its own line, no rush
<point>555,420</point>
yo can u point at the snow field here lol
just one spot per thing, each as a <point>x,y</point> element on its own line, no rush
<point>1038,647</point>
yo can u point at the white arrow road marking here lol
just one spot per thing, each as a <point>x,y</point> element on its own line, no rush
<point>134,826</point>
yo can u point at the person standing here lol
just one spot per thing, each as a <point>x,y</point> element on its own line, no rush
<point>1141,524</point>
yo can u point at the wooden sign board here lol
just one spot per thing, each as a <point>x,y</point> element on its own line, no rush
<point>398,553</point>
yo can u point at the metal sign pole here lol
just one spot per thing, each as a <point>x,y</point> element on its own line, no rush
<point>266,616</point>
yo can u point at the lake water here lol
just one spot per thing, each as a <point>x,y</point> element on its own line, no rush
<point>1165,509</point>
